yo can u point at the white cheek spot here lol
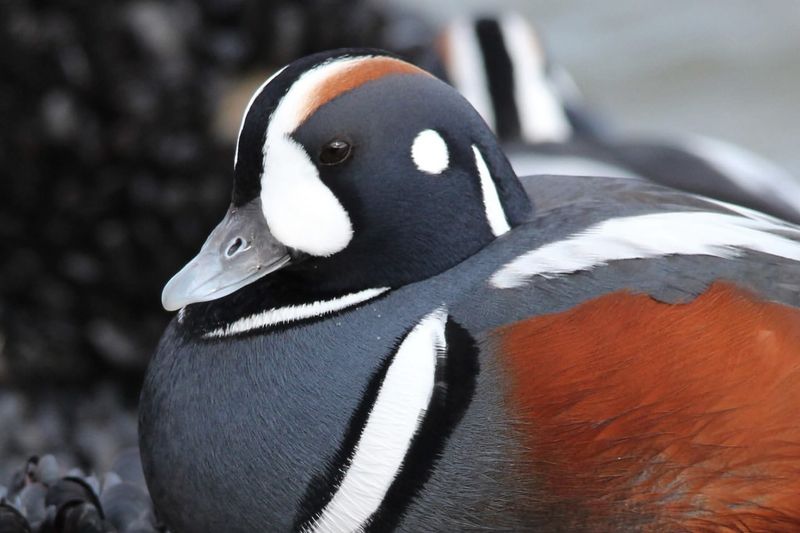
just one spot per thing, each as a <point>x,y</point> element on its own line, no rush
<point>300,210</point>
<point>429,152</point>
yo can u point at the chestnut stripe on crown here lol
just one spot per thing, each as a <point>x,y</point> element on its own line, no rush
<point>354,74</point>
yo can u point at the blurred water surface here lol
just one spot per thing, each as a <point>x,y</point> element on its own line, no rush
<point>725,68</point>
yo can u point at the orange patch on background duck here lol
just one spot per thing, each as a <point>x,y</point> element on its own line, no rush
<point>683,416</point>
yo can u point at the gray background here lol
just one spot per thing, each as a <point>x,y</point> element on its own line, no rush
<point>725,68</point>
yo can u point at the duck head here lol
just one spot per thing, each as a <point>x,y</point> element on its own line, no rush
<point>354,171</point>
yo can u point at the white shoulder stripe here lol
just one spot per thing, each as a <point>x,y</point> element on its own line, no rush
<point>292,313</point>
<point>393,422</point>
<point>491,200</point>
<point>648,236</point>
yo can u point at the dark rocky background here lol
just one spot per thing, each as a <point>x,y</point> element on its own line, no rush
<point>118,125</point>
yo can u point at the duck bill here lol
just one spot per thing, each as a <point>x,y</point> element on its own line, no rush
<point>238,252</point>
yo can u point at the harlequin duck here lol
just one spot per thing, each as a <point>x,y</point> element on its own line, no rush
<point>501,66</point>
<point>390,331</point>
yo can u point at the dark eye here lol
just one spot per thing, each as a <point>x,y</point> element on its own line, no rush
<point>335,152</point>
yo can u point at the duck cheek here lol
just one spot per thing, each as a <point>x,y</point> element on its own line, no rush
<point>301,211</point>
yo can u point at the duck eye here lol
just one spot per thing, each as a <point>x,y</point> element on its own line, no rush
<point>335,152</point>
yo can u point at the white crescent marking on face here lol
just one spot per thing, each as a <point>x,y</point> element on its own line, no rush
<point>301,211</point>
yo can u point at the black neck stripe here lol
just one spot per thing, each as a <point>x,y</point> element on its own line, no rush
<point>323,486</point>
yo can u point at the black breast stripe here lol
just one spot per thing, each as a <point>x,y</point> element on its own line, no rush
<point>454,386</point>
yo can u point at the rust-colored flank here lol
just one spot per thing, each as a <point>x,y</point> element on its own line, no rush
<point>679,417</point>
<point>361,72</point>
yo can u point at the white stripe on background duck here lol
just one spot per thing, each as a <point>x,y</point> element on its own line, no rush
<point>499,64</point>
<point>390,330</point>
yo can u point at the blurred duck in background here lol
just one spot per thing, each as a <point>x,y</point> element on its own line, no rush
<point>500,64</point>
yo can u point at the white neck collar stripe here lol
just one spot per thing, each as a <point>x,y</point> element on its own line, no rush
<point>293,313</point>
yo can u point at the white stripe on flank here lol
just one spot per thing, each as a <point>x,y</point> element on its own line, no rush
<point>647,236</point>
<point>247,110</point>
<point>541,113</point>
<point>393,422</point>
<point>292,313</point>
<point>491,201</point>
<point>466,70</point>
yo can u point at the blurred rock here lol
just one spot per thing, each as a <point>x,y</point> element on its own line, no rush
<point>85,427</point>
<point>42,499</point>
<point>11,520</point>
